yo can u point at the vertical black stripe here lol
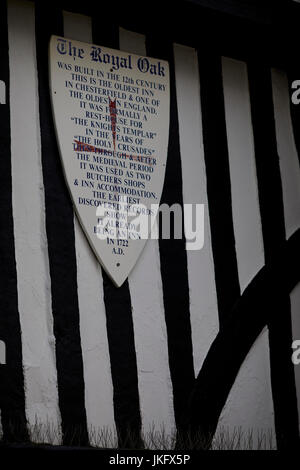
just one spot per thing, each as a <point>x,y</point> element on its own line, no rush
<point>123,362</point>
<point>120,324</point>
<point>273,229</point>
<point>173,257</point>
<point>218,182</point>
<point>107,34</point>
<point>61,249</point>
<point>12,399</point>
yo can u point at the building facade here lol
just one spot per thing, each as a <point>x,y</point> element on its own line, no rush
<point>199,339</point>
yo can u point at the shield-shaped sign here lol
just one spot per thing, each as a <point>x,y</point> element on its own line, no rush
<point>111,115</point>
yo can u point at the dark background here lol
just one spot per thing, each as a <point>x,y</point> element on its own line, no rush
<point>238,28</point>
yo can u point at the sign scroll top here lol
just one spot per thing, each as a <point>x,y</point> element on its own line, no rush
<point>111,115</point>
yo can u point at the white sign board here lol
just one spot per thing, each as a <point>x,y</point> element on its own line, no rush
<point>111,115</point>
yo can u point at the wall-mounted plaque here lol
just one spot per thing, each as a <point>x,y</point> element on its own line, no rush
<point>111,115</point>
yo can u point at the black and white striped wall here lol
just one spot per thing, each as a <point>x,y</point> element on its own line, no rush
<point>206,333</point>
